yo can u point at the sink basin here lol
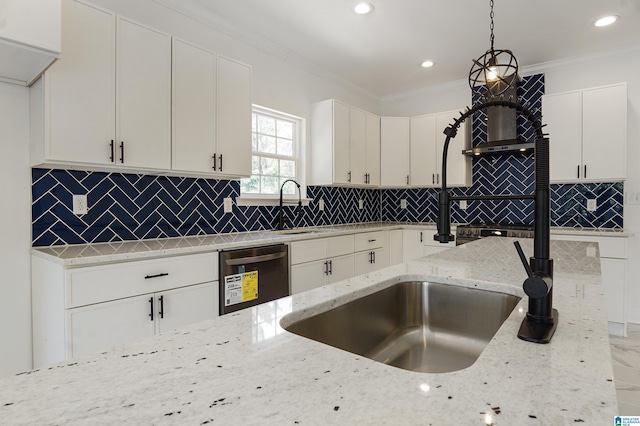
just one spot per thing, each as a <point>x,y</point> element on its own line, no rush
<point>418,326</point>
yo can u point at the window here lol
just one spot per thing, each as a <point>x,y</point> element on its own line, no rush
<point>276,153</point>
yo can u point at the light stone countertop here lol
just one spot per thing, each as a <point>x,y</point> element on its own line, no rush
<point>243,368</point>
<point>88,254</point>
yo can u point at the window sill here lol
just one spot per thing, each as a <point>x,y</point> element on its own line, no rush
<point>270,201</point>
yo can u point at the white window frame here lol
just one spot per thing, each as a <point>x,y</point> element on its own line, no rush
<point>300,156</point>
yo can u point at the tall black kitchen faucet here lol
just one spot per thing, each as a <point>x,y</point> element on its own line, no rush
<point>541,319</point>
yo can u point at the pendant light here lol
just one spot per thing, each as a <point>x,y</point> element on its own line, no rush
<point>495,71</point>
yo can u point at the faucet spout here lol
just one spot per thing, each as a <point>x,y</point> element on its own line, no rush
<point>541,320</point>
<point>281,218</point>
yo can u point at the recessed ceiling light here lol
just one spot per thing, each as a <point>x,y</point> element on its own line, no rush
<point>363,8</point>
<point>607,20</point>
<point>427,64</point>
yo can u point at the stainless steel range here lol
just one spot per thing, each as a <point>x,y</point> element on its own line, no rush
<point>475,231</point>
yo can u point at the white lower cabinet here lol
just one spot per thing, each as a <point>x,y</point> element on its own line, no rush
<point>104,325</point>
<point>318,262</point>
<point>82,310</point>
<point>419,243</point>
<point>371,252</point>
<point>613,266</point>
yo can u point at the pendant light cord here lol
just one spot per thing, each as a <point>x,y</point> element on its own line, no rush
<point>491,16</point>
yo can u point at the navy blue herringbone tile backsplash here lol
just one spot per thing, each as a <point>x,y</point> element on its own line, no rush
<point>133,207</point>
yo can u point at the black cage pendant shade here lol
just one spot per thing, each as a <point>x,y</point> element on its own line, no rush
<point>495,71</point>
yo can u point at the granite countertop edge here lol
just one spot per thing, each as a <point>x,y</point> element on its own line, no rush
<point>96,253</point>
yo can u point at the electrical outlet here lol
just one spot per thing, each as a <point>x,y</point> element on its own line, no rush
<point>321,205</point>
<point>360,204</point>
<point>463,204</point>
<point>228,205</point>
<point>80,204</point>
<point>403,204</point>
<point>633,198</point>
<point>592,205</point>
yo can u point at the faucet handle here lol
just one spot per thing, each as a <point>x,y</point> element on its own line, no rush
<point>523,259</point>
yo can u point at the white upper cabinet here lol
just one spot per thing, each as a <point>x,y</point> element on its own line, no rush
<point>424,164</point>
<point>345,145</point>
<point>29,38</point>
<point>120,98</point>
<point>364,147</point>
<point>372,149</point>
<point>233,124</point>
<point>458,165</point>
<point>395,166</point>
<point>587,134</point>
<point>74,103</point>
<point>413,147</point>
<point>194,105</point>
<point>86,110</point>
<point>143,96</point>
<point>330,150</point>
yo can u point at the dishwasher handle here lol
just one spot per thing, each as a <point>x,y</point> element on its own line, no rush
<point>255,259</point>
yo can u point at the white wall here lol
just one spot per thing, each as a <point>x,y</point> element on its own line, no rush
<point>15,231</point>
<point>560,77</point>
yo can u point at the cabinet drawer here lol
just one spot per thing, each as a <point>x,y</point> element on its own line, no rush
<point>321,248</point>
<point>307,251</point>
<point>96,284</point>
<point>339,246</point>
<point>369,240</point>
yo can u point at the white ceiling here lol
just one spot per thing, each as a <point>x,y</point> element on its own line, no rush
<point>381,52</point>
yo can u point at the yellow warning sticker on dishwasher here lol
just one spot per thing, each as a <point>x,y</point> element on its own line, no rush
<point>249,286</point>
<point>240,288</point>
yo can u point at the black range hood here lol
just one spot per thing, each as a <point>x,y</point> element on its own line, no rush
<point>502,135</point>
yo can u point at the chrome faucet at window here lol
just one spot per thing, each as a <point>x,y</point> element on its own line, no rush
<point>281,217</point>
<point>541,320</point>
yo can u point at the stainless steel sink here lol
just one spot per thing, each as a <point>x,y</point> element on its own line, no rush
<point>417,326</point>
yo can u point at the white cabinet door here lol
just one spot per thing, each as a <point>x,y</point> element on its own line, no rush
<point>373,149</point>
<point>458,165</point>
<point>423,148</point>
<point>614,277</point>
<point>193,107</point>
<point>79,124</point>
<point>143,96</point>
<point>411,244</point>
<point>394,151</point>
<point>341,148</point>
<point>395,247</point>
<point>357,146</point>
<point>98,327</point>
<point>563,117</point>
<point>604,132</point>
<point>233,137</point>
<point>308,276</point>
<point>587,134</point>
<point>185,306</point>
<point>340,268</point>
<point>369,261</point>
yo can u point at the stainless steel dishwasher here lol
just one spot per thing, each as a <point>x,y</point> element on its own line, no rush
<point>251,276</point>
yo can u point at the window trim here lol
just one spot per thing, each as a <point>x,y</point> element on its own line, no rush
<point>299,150</point>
